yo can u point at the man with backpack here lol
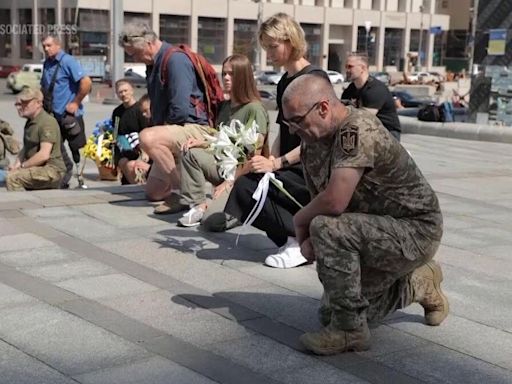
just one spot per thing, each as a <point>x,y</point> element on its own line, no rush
<point>179,89</point>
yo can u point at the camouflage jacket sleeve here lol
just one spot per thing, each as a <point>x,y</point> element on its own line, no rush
<point>354,145</point>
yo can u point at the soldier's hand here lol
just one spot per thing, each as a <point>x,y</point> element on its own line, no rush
<point>306,248</point>
<point>260,164</point>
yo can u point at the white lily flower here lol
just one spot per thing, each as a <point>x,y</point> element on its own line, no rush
<point>233,129</point>
<point>249,136</point>
<point>227,166</point>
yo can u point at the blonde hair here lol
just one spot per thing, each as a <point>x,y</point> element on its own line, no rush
<point>283,27</point>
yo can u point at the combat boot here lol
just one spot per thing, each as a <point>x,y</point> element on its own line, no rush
<point>324,312</point>
<point>426,284</point>
<point>330,341</point>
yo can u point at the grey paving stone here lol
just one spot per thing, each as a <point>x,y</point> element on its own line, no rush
<point>22,241</point>
<point>436,364</point>
<point>263,355</point>
<point>171,314</point>
<point>20,204</point>
<point>489,295</point>
<point>63,341</point>
<point>86,228</point>
<point>30,225</point>
<point>488,260</point>
<point>498,251</point>
<point>303,280</point>
<point>316,373</point>
<point>385,340</point>
<point>106,286</point>
<point>52,212</point>
<point>37,256</point>
<point>184,267</point>
<point>14,197</point>
<point>154,370</point>
<point>73,201</point>
<point>19,368</point>
<point>501,217</point>
<point>11,297</point>
<point>485,343</point>
<point>10,214</point>
<point>279,304</point>
<point>8,228</point>
<point>121,216</point>
<point>69,270</point>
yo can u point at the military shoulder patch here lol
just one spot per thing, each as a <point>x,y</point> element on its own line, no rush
<point>349,139</point>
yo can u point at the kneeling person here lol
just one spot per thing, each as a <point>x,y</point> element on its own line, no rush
<point>373,224</point>
<point>39,164</point>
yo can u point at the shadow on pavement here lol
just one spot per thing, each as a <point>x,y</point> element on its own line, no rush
<point>252,247</point>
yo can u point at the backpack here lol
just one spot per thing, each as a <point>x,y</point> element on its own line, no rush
<point>431,112</point>
<point>209,84</point>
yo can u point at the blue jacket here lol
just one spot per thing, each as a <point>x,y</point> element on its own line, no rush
<point>171,103</point>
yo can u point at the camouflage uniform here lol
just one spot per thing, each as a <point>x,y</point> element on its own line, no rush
<point>392,225</point>
<point>42,128</point>
<point>7,143</point>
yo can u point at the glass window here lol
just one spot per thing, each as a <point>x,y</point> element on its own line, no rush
<point>47,16</point>
<point>367,43</point>
<point>314,38</point>
<point>438,54</point>
<point>414,43</point>
<point>211,39</point>
<point>245,38</point>
<point>5,38</point>
<point>393,41</point>
<point>93,35</point>
<point>457,43</point>
<point>175,29</point>
<point>70,40</point>
<point>25,39</point>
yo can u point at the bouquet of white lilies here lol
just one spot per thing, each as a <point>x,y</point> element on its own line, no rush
<point>233,145</point>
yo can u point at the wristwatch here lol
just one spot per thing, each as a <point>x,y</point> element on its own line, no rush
<point>22,165</point>
<point>284,162</point>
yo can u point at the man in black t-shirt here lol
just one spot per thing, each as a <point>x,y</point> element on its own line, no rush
<point>368,92</point>
<point>131,122</point>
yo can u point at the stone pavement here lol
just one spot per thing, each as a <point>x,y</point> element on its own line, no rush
<point>96,289</point>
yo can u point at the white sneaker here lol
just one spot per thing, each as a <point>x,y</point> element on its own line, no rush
<point>191,218</point>
<point>289,256</point>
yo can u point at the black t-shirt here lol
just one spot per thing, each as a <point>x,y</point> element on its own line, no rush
<point>374,94</point>
<point>130,120</point>
<point>290,141</point>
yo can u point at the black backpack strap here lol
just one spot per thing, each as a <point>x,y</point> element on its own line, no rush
<point>54,79</point>
<point>48,93</point>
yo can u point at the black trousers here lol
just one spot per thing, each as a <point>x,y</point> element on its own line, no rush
<point>74,143</point>
<point>276,217</point>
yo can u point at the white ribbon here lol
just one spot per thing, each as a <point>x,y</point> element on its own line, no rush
<point>260,195</point>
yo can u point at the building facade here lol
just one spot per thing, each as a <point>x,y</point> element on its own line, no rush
<point>389,30</point>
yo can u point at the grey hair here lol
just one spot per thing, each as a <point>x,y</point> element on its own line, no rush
<point>136,34</point>
<point>54,36</point>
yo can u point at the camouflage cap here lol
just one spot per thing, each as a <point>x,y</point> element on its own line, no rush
<point>28,93</point>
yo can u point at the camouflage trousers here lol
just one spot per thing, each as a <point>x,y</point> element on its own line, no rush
<point>364,263</point>
<point>45,177</point>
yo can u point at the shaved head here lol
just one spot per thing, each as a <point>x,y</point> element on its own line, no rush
<point>311,108</point>
<point>308,89</point>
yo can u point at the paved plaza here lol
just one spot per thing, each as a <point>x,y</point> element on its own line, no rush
<point>94,288</point>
